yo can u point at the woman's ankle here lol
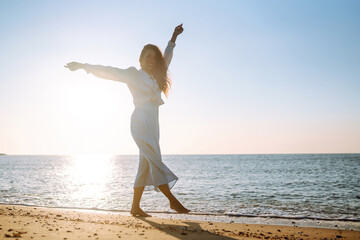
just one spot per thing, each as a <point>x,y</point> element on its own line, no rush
<point>135,206</point>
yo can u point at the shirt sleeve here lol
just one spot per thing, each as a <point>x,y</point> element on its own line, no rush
<point>110,73</point>
<point>168,53</point>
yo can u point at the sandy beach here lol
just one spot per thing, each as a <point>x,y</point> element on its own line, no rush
<point>25,222</point>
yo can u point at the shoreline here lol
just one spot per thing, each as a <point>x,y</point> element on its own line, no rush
<point>33,222</point>
<point>344,224</point>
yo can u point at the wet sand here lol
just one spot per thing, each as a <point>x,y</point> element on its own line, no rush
<point>25,222</point>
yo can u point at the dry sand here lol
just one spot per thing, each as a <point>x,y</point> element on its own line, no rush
<point>24,222</point>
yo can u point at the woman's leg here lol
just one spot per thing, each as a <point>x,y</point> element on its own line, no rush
<point>135,209</point>
<point>174,203</point>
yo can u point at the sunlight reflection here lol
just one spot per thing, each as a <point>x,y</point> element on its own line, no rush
<point>90,175</point>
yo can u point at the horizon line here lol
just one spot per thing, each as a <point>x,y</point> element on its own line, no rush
<point>168,154</point>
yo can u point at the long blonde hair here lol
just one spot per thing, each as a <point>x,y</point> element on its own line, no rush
<point>160,70</point>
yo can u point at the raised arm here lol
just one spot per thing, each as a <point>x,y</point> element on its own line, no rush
<point>106,72</point>
<point>168,53</point>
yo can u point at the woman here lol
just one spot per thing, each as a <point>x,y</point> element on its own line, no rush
<point>146,86</point>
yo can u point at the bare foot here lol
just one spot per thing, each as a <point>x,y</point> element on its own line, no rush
<point>178,207</point>
<point>138,212</point>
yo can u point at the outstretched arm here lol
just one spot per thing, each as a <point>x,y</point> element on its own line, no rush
<point>168,53</point>
<point>106,72</point>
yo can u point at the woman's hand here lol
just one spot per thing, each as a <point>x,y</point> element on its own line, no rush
<point>73,66</point>
<point>178,30</point>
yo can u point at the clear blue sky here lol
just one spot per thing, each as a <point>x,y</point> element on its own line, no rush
<point>249,76</point>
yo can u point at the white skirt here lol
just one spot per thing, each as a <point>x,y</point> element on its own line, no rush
<point>152,172</point>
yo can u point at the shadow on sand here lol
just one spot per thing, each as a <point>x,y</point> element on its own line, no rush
<point>192,230</point>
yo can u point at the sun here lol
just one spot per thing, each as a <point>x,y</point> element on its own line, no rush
<point>96,115</point>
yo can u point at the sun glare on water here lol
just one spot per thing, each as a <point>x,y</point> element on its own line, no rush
<point>90,175</point>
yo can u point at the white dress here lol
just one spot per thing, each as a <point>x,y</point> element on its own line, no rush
<point>146,93</point>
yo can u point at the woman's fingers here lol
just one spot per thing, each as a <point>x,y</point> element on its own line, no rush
<point>179,29</point>
<point>68,65</point>
<point>73,66</point>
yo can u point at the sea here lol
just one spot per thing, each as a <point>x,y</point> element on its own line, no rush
<point>281,186</point>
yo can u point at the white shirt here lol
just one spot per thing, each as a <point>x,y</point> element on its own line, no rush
<point>143,87</point>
